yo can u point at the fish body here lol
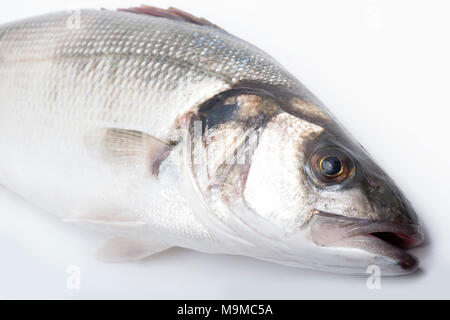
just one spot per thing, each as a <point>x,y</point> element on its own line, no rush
<point>164,130</point>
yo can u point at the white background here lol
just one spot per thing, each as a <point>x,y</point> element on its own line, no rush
<point>383,68</point>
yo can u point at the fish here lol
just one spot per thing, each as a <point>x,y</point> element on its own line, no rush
<point>160,129</point>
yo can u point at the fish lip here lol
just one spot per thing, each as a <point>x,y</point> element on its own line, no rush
<point>412,234</point>
<point>408,235</point>
<point>384,239</point>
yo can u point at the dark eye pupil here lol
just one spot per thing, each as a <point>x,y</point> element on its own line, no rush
<point>331,166</point>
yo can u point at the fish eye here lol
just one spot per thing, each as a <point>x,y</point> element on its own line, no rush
<point>330,166</point>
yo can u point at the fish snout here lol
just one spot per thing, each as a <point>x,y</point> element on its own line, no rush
<point>389,202</point>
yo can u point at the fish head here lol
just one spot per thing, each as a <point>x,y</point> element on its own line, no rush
<point>359,211</point>
<point>304,192</point>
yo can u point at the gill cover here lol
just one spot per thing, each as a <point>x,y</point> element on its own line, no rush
<point>222,137</point>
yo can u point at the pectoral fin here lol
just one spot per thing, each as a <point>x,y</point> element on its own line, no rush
<point>124,249</point>
<point>129,148</point>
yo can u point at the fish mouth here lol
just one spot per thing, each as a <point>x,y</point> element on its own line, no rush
<point>386,241</point>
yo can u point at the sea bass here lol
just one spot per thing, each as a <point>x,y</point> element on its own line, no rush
<point>163,130</point>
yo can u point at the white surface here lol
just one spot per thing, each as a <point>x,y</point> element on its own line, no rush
<point>381,67</point>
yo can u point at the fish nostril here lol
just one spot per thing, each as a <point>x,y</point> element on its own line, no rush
<point>375,185</point>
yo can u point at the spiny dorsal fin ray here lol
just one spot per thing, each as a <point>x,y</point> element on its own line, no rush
<point>170,13</point>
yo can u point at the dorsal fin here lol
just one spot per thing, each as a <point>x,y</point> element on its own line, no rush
<point>170,13</point>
